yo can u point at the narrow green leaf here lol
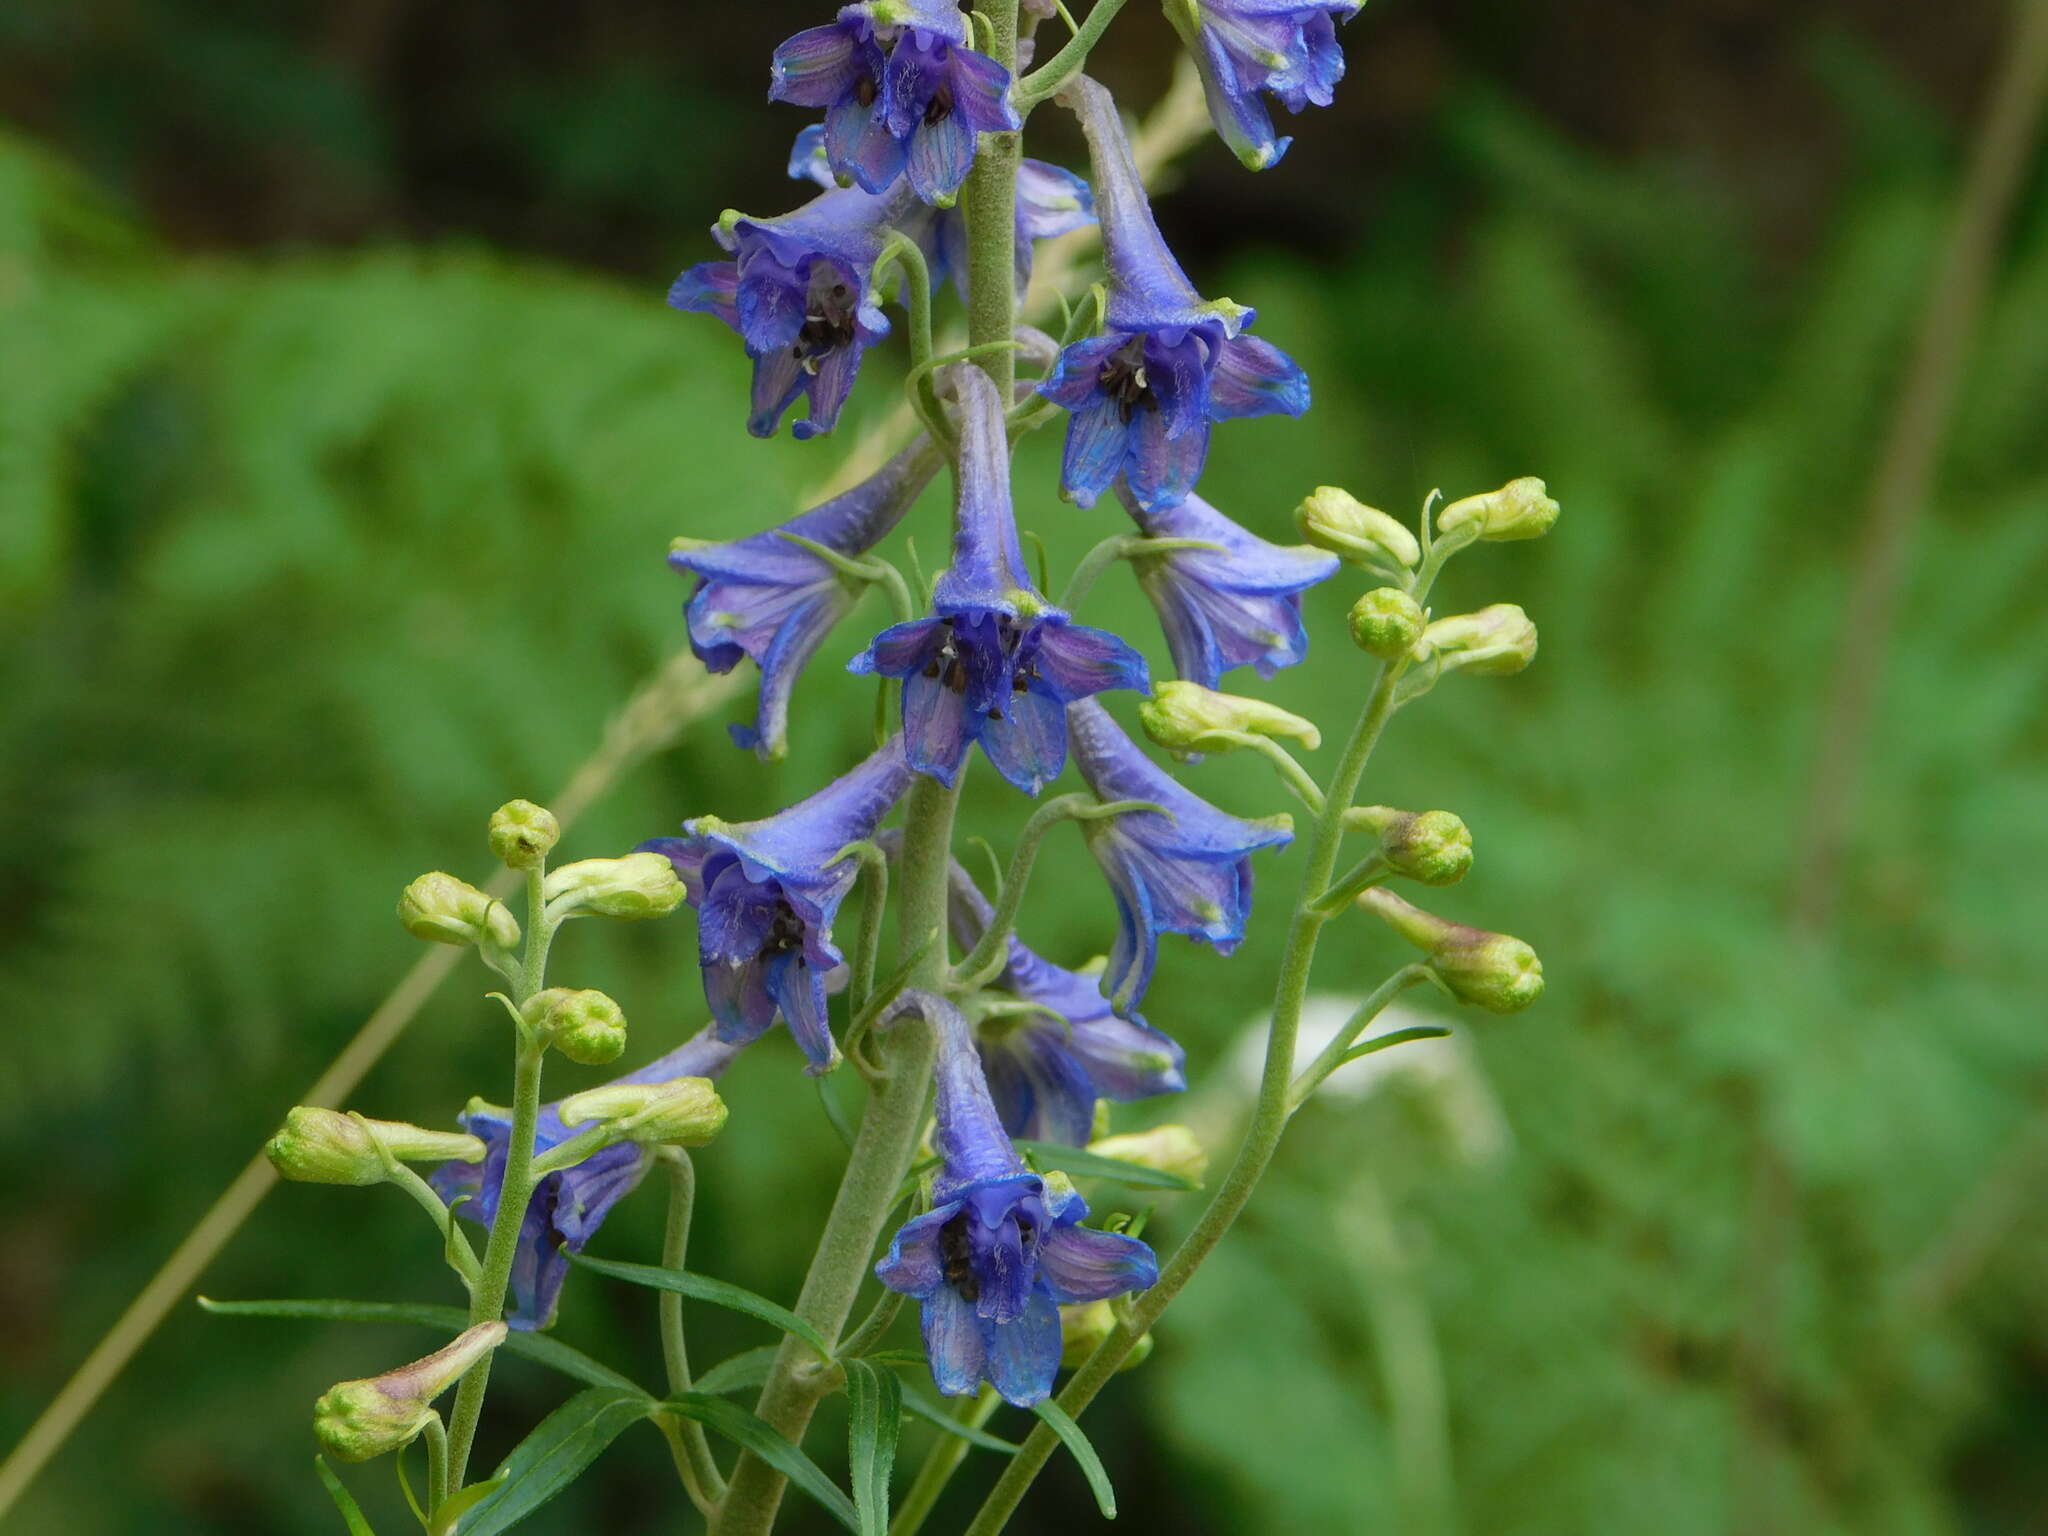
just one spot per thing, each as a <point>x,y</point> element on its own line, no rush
<point>760,1437</point>
<point>460,1503</point>
<point>554,1456</point>
<point>918,1401</point>
<point>1047,1154</point>
<point>874,1420</point>
<point>1062,1424</point>
<point>897,1357</point>
<point>537,1347</point>
<point>748,1368</point>
<point>412,1501</point>
<point>1393,1037</point>
<point>718,1292</point>
<point>351,1512</point>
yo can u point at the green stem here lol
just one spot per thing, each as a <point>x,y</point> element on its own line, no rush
<point>461,1257</point>
<point>1299,781</point>
<point>874,1328</point>
<point>940,1463</point>
<point>1068,62</point>
<point>701,1477</point>
<point>437,1464</point>
<point>1336,1052</point>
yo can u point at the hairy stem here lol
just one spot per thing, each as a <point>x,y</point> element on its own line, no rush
<point>940,1463</point>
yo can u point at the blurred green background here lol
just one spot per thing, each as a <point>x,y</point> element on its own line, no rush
<point>342,430</point>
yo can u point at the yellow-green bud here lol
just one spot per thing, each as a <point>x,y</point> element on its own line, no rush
<point>1386,622</point>
<point>683,1112</point>
<point>1489,970</point>
<point>1497,641</point>
<point>357,1420</point>
<point>326,1146</point>
<point>1166,1148</point>
<point>1433,847</point>
<point>1084,1326</point>
<point>444,910</point>
<point>1332,518</point>
<point>587,1027</point>
<point>639,885</point>
<point>1518,510</point>
<point>1186,717</point>
<point>522,833</point>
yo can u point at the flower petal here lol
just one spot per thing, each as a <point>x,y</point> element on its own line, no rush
<point>818,65</point>
<point>1255,378</point>
<point>1078,660</point>
<point>912,1265</point>
<point>954,1342</point>
<point>1098,440</point>
<point>1024,1356</point>
<point>1081,1264</point>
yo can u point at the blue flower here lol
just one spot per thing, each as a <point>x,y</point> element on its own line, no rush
<point>1168,363</point>
<point>1001,1247</point>
<point>1238,606</point>
<point>800,291</point>
<point>995,662</point>
<point>1045,1073</point>
<point>1188,872</point>
<point>567,1207</point>
<point>766,893</point>
<point>1286,48</point>
<point>916,110</point>
<point>765,597</point>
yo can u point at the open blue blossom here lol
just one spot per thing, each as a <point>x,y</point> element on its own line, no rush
<point>800,292</point>
<point>774,600</point>
<point>766,893</point>
<point>994,662</point>
<point>1285,48</point>
<point>567,1207</point>
<point>1046,1070</point>
<point>1236,606</point>
<point>1168,363</point>
<point>913,111</point>
<point>1187,872</point>
<point>1050,201</point>
<point>1001,1247</point>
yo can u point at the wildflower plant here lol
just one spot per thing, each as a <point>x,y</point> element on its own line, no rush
<point>993,1073</point>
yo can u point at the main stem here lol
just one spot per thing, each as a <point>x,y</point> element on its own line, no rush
<point>882,1148</point>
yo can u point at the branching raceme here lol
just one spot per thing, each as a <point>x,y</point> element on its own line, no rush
<point>990,1072</point>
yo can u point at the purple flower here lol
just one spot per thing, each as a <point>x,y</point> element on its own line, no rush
<point>1239,606</point>
<point>567,1207</point>
<point>916,110</point>
<point>800,292</point>
<point>995,662</point>
<point>1045,1073</point>
<point>1189,871</point>
<point>1286,48</point>
<point>766,597</point>
<point>1168,363</point>
<point>766,893</point>
<point>1000,1248</point>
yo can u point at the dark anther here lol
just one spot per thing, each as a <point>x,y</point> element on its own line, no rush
<point>1122,376</point>
<point>957,1258</point>
<point>940,107</point>
<point>866,89</point>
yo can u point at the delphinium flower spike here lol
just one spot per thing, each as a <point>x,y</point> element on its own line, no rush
<point>1168,363</point>
<point>1187,872</point>
<point>766,893</point>
<point>995,662</point>
<point>1285,48</point>
<point>1001,1247</point>
<point>769,598</point>
<point>1235,606</point>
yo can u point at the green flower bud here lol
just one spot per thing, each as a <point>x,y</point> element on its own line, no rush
<point>1386,622</point>
<point>587,1027</point>
<point>1489,970</point>
<point>326,1146</point>
<point>1186,717</point>
<point>444,910</point>
<point>1518,510</point>
<point>1433,847</point>
<point>1497,641</point>
<point>1333,519</point>
<point>639,885</point>
<point>683,1112</point>
<point>358,1420</point>
<point>1083,1327</point>
<point>1166,1148</point>
<point>522,833</point>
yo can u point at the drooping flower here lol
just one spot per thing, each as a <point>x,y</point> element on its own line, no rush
<point>914,111</point>
<point>1188,872</point>
<point>994,662</point>
<point>1001,1247</point>
<point>800,292</point>
<point>766,893</point>
<point>766,597</point>
<point>1285,48</point>
<point>567,1207</point>
<point>1050,201</point>
<point>1237,606</point>
<point>1168,363</point>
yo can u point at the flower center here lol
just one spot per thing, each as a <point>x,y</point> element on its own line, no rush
<point>829,323</point>
<point>785,931</point>
<point>866,89</point>
<point>956,1258</point>
<point>940,107</point>
<point>1122,378</point>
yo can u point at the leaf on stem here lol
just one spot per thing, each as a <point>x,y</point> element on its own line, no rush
<point>738,1373</point>
<point>1077,1160</point>
<point>1061,1423</point>
<point>721,1293</point>
<point>874,1420</point>
<point>351,1512</point>
<point>1394,1037</point>
<point>920,1402</point>
<point>761,1437</point>
<point>554,1456</point>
